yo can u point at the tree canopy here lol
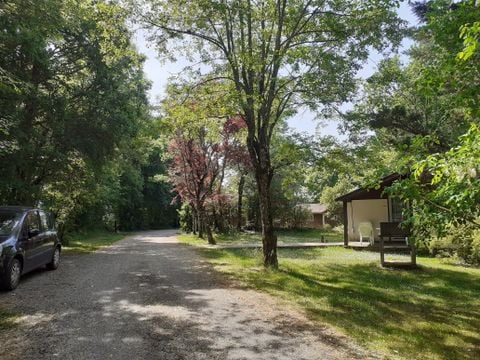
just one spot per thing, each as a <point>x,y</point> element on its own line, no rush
<point>278,55</point>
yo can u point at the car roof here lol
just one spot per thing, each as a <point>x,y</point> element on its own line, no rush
<point>16,208</point>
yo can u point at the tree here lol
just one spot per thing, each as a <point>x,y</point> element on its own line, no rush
<point>75,133</point>
<point>444,188</point>
<point>435,94</point>
<point>239,159</point>
<point>79,94</point>
<point>279,55</point>
<point>195,170</point>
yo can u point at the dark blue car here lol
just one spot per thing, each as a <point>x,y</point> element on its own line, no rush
<point>28,240</point>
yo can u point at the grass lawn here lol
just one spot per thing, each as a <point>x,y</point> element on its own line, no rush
<point>284,236</point>
<point>430,313</point>
<point>87,242</point>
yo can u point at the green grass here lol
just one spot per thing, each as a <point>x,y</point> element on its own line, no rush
<point>284,236</point>
<point>88,242</point>
<point>430,313</point>
<point>7,320</point>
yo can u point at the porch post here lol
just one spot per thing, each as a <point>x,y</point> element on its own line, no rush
<point>345,223</point>
<point>413,253</point>
<point>382,251</point>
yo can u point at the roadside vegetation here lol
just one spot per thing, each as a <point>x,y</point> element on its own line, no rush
<point>77,137</point>
<point>7,320</point>
<point>88,242</point>
<point>429,313</point>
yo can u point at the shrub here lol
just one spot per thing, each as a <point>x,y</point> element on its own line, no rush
<point>186,218</point>
<point>462,242</point>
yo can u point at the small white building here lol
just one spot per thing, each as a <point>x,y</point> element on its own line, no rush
<point>366,208</point>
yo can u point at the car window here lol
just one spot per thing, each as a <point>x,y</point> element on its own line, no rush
<point>32,222</point>
<point>44,221</point>
<point>8,221</point>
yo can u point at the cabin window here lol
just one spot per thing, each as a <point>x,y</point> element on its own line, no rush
<point>397,209</point>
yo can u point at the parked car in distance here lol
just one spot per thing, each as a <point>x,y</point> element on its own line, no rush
<point>28,240</point>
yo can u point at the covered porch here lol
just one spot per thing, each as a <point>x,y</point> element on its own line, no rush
<point>363,211</point>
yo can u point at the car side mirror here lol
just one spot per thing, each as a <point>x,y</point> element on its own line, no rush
<point>33,233</point>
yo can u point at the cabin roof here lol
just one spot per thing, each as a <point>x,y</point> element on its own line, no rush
<point>365,193</point>
<point>315,208</point>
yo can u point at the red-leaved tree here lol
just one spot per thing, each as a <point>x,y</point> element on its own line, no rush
<point>198,168</point>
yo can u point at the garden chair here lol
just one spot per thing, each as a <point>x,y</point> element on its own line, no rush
<point>365,229</point>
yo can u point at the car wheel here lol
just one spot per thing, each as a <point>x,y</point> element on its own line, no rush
<point>11,277</point>
<point>53,265</point>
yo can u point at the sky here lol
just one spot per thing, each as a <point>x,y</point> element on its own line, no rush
<point>304,121</point>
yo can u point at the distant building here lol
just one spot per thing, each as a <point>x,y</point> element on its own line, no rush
<point>318,213</point>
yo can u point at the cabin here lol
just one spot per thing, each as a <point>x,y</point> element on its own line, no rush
<point>373,219</point>
<point>318,215</point>
<point>364,209</point>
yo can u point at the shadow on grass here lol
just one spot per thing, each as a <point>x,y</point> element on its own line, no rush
<point>428,313</point>
<point>284,236</point>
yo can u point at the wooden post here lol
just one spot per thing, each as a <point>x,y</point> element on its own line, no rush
<point>382,252</point>
<point>345,224</point>
<point>413,254</point>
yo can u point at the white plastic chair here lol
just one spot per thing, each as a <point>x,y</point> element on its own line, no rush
<point>365,229</point>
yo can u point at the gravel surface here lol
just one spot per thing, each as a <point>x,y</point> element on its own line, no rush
<point>148,297</point>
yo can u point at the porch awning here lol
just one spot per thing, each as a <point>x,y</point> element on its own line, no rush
<point>366,193</point>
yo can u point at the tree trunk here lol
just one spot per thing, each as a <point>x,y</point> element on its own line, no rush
<point>217,220</point>
<point>208,230</point>
<point>194,221</point>
<point>201,223</point>
<point>269,239</point>
<point>241,185</point>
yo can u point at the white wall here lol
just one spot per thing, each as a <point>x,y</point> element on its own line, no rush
<point>374,211</point>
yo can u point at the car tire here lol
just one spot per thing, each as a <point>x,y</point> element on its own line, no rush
<point>53,265</point>
<point>11,278</point>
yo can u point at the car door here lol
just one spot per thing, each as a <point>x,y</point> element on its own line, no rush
<point>47,237</point>
<point>32,241</point>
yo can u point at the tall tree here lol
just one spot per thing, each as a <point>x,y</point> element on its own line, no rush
<point>279,55</point>
<point>195,170</point>
<point>436,93</point>
<point>78,93</point>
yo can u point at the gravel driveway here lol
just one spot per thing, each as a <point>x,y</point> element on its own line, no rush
<point>148,297</point>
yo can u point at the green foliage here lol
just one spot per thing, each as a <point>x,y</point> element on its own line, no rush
<point>82,94</point>
<point>434,94</point>
<point>444,188</point>
<point>470,34</point>
<point>428,112</point>
<point>340,168</point>
<point>186,218</point>
<point>90,241</point>
<point>330,193</point>
<point>461,243</point>
<point>75,133</point>
<point>274,55</point>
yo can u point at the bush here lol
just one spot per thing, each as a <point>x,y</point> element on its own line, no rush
<point>339,229</point>
<point>186,218</point>
<point>462,242</point>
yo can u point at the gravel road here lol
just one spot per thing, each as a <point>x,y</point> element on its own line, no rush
<point>148,297</point>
